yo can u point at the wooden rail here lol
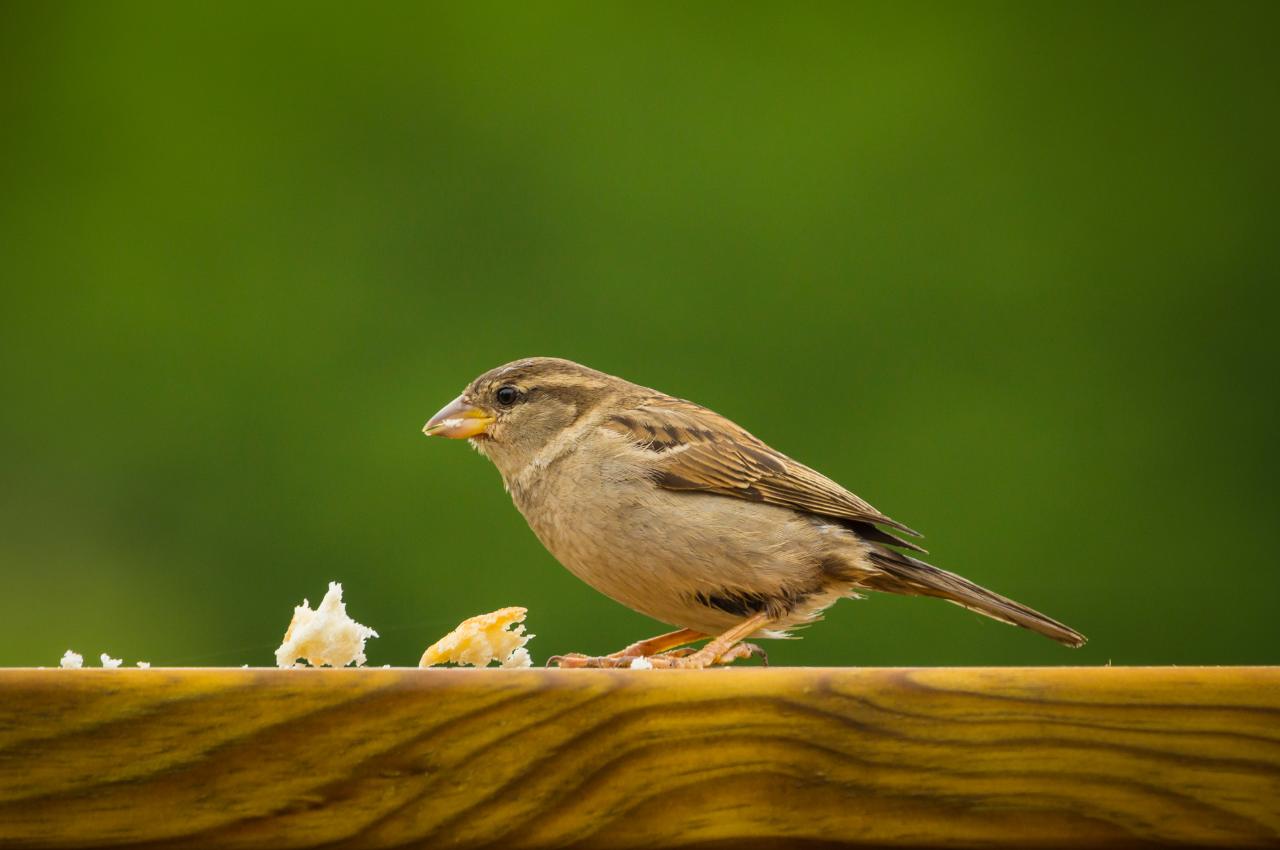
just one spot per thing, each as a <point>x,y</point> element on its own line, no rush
<point>996,757</point>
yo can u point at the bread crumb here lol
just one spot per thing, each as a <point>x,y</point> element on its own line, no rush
<point>109,662</point>
<point>519,657</point>
<point>482,639</point>
<point>145,665</point>
<point>324,636</point>
<point>71,660</point>
<point>641,663</point>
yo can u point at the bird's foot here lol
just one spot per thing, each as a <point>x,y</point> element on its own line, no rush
<point>574,660</point>
<point>640,649</point>
<point>725,649</point>
<point>685,658</point>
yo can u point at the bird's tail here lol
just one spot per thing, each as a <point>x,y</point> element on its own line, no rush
<point>901,573</point>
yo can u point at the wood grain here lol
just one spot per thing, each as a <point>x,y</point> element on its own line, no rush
<point>1005,757</point>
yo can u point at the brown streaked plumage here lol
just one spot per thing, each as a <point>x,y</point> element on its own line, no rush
<point>677,512</point>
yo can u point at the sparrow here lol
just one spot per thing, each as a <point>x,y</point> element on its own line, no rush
<point>678,513</point>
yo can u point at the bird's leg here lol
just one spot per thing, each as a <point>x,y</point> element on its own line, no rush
<point>661,643</point>
<point>723,649</point>
<point>623,657</point>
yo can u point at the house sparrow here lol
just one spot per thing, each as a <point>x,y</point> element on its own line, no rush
<point>678,513</point>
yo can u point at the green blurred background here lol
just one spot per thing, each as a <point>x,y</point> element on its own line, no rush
<point>1006,270</point>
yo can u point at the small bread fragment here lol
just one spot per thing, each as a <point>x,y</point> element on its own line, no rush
<point>324,636</point>
<point>482,639</point>
<point>71,660</point>
<point>109,662</point>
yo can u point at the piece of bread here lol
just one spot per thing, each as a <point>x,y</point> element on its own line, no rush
<point>324,636</point>
<point>482,639</point>
<point>71,660</point>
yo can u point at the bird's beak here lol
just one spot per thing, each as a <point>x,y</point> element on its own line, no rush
<point>458,420</point>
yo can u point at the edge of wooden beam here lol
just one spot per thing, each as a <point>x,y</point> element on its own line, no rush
<point>232,757</point>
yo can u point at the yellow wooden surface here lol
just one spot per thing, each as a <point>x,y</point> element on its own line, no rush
<point>620,758</point>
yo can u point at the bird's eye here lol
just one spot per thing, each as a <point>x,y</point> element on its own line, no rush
<point>507,396</point>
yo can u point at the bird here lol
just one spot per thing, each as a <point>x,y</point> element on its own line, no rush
<point>678,513</point>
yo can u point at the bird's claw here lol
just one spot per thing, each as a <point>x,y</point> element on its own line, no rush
<point>752,651</point>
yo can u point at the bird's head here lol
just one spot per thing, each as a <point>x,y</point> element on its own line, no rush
<point>514,411</point>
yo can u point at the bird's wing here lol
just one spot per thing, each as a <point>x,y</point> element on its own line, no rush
<point>696,449</point>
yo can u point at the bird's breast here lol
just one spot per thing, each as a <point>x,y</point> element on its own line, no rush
<point>656,551</point>
<point>586,511</point>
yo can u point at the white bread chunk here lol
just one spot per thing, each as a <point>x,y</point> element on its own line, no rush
<point>109,662</point>
<point>324,636</point>
<point>498,636</point>
<point>71,660</point>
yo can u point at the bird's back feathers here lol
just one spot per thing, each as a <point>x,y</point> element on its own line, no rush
<point>703,451</point>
